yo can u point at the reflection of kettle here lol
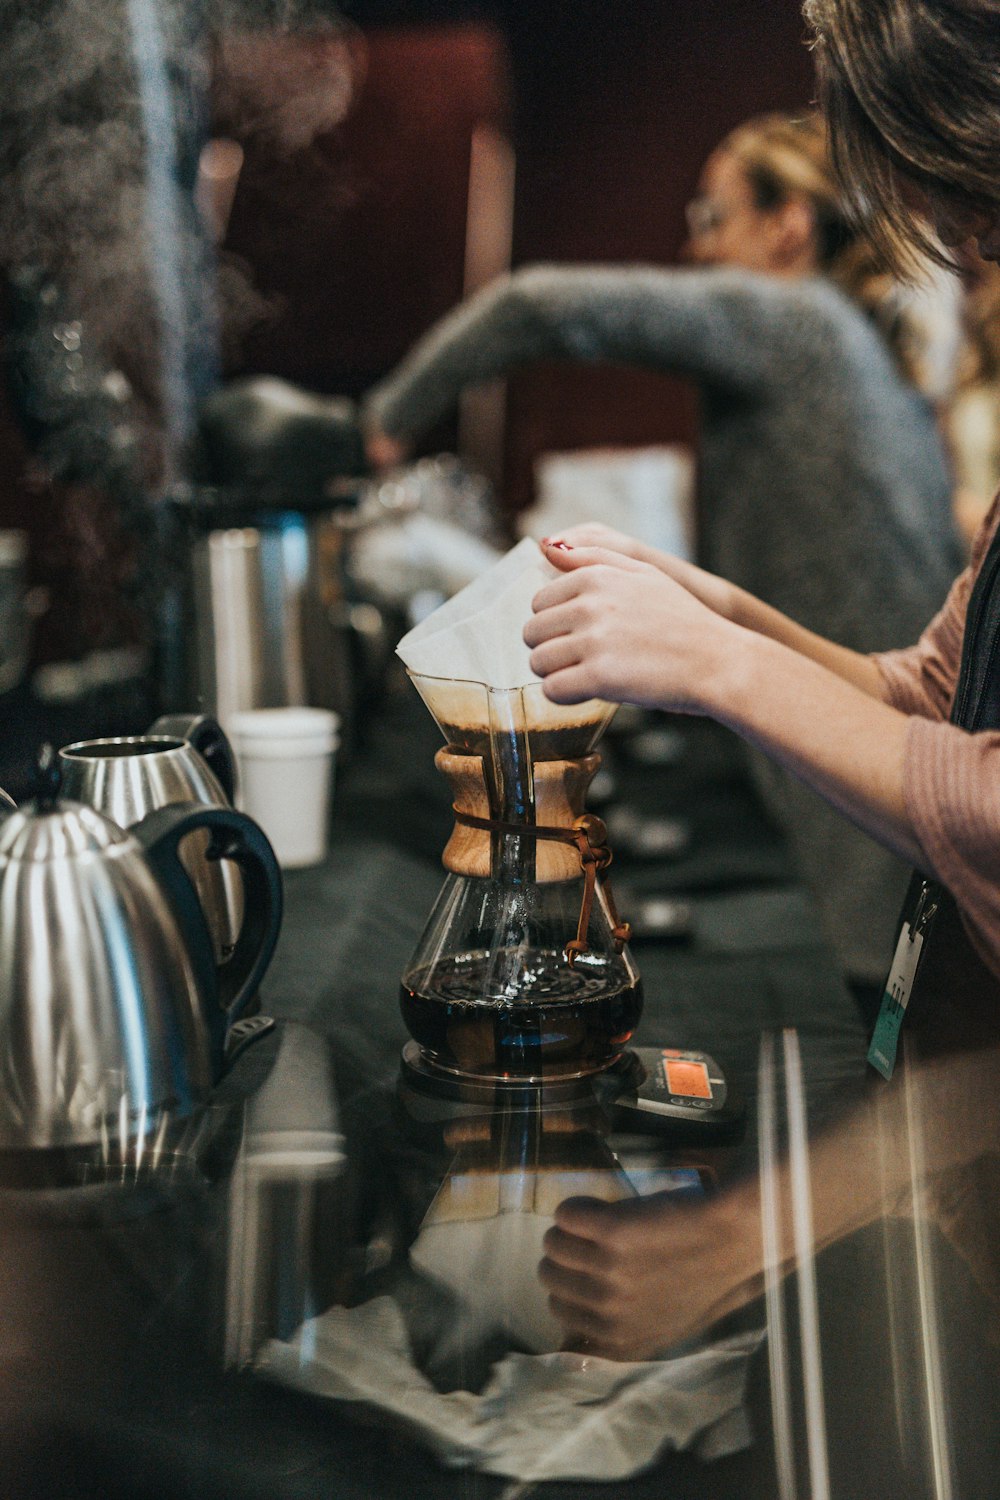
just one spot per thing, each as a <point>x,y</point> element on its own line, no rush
<point>111,1018</point>
<point>183,758</point>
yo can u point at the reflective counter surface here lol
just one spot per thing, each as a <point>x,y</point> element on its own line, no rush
<point>333,1288</point>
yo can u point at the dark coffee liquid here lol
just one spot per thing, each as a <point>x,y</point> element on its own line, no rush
<point>546,744</point>
<point>563,1023</point>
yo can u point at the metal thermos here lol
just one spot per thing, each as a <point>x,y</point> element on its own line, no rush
<point>261,618</point>
<point>269,623</point>
<point>13,608</point>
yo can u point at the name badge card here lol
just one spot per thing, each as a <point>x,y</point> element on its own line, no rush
<point>899,985</point>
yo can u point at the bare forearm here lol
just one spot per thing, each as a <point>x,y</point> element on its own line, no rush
<point>614,627</point>
<point>743,608</point>
<point>851,666</point>
<point>824,727</point>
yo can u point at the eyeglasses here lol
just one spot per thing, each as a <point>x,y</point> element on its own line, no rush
<point>704,216</point>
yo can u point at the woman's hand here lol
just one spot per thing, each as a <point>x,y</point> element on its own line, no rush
<point>596,534</point>
<point>618,628</point>
<point>629,1280</point>
<point>717,593</point>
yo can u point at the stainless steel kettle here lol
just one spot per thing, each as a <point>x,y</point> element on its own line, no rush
<point>181,758</point>
<point>112,1023</point>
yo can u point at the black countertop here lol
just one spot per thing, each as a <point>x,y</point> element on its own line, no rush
<point>114,1316</point>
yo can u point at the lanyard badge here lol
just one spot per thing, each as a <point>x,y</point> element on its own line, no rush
<point>899,984</point>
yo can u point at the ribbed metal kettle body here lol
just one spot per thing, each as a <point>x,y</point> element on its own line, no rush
<point>101,1020</point>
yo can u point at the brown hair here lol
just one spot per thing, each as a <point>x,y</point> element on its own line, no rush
<point>911,91</point>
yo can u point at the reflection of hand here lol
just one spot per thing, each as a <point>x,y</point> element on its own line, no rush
<point>628,1280</point>
<point>618,628</point>
<point>385,452</point>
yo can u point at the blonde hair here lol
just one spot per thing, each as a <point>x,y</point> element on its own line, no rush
<point>785,156</point>
<point>788,156</point>
<point>982,321</point>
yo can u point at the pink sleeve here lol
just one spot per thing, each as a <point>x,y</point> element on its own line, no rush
<point>921,679</point>
<point>951,782</point>
<point>951,778</point>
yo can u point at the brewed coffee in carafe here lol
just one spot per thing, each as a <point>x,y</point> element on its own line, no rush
<point>522,972</point>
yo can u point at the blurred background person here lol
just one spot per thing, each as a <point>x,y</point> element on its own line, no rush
<point>973,422</point>
<point>824,487</point>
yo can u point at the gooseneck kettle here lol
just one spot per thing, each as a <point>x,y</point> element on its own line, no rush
<point>111,1019</point>
<point>182,758</point>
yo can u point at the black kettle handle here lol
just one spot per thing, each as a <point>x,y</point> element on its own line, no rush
<point>207,736</point>
<point>233,836</point>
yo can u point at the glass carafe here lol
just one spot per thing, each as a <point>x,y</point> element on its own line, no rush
<point>522,972</point>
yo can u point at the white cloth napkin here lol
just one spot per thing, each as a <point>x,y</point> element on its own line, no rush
<point>550,1416</point>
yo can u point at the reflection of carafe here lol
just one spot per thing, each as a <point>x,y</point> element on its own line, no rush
<point>482,1236</point>
<point>522,972</point>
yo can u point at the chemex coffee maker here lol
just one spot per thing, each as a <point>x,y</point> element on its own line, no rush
<point>522,985</point>
<point>522,976</point>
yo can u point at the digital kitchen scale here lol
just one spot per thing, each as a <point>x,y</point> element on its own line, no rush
<point>679,1096</point>
<point>676,1093</point>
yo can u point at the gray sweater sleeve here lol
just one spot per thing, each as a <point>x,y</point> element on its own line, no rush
<point>720,327</point>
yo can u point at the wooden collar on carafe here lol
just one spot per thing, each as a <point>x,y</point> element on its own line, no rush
<point>569,840</point>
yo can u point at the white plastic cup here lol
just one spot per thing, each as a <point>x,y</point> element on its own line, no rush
<point>286,771</point>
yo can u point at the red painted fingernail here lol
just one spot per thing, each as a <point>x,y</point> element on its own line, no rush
<point>563,546</point>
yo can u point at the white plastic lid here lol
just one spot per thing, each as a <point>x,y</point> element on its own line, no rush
<point>284,731</point>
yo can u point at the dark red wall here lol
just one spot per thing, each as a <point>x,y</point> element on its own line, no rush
<point>362,234</point>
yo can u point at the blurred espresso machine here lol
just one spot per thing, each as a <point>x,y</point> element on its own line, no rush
<point>259,614</point>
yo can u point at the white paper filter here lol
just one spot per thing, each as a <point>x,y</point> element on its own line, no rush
<point>477,635</point>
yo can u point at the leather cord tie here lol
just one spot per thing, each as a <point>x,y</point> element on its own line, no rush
<point>590,838</point>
